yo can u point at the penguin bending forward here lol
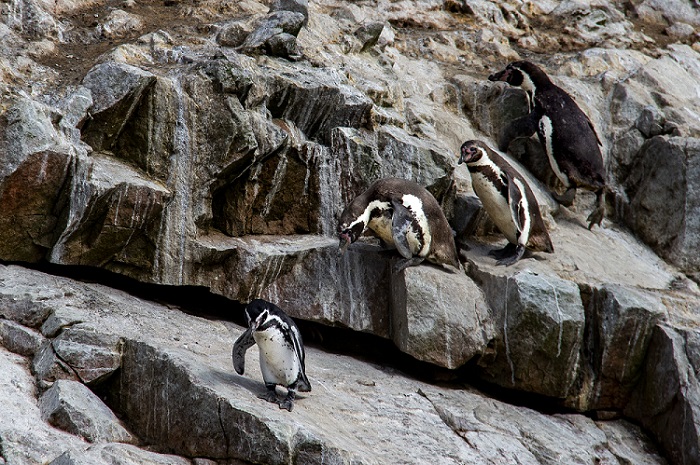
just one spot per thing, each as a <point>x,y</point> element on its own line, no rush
<point>564,130</point>
<point>508,200</point>
<point>403,215</point>
<point>281,351</point>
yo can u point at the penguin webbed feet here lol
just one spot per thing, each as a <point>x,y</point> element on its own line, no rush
<point>596,216</point>
<point>404,263</point>
<point>270,395</point>
<point>288,402</point>
<point>508,255</point>
<point>567,198</point>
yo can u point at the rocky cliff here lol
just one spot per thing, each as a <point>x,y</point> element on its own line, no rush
<point>166,162</point>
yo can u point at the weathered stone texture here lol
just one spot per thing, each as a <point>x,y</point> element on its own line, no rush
<point>214,145</point>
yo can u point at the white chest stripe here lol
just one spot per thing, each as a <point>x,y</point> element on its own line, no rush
<point>523,206</point>
<point>365,216</point>
<point>547,131</point>
<point>415,205</point>
<point>529,89</point>
<point>486,161</point>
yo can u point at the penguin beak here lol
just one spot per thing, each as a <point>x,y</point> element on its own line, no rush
<point>345,242</point>
<point>255,324</point>
<point>466,155</point>
<point>499,76</point>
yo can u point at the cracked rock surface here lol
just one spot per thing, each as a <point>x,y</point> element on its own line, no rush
<point>198,153</point>
<point>176,390</point>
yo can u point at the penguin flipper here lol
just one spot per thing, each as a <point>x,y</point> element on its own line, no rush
<point>303,384</point>
<point>400,225</point>
<point>302,381</point>
<point>244,342</point>
<point>517,203</point>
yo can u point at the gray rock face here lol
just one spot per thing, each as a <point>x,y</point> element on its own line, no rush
<point>104,454</point>
<point>672,362</point>
<point>26,437</point>
<point>215,145</point>
<point>72,407</point>
<point>196,406</point>
<point>540,321</point>
<point>661,187</point>
<point>457,325</point>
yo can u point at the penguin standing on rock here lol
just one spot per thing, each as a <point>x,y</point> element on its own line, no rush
<point>281,351</point>
<point>565,132</point>
<point>405,216</point>
<point>508,200</point>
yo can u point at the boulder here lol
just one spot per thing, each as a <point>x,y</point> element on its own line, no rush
<point>540,322</point>
<point>19,339</point>
<point>439,316</point>
<point>117,90</point>
<point>348,291</point>
<point>72,407</point>
<point>667,397</point>
<point>617,317</point>
<point>661,198</point>
<point>276,34</point>
<point>26,438</point>
<point>117,211</point>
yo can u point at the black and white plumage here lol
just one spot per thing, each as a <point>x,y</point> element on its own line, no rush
<point>566,133</point>
<point>404,216</point>
<point>508,200</point>
<point>281,351</point>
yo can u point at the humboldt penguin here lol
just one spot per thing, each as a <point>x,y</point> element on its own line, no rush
<point>404,216</point>
<point>508,200</point>
<point>564,130</point>
<point>281,351</point>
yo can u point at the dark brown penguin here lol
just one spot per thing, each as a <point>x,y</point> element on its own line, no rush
<point>404,215</point>
<point>508,200</point>
<point>565,132</point>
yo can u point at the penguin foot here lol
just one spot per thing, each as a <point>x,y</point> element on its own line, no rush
<point>596,217</point>
<point>288,402</point>
<point>506,251</point>
<point>406,262</point>
<point>270,395</point>
<point>567,198</point>
<point>514,257</point>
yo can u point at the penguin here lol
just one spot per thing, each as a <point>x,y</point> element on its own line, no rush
<point>404,216</point>
<point>567,135</point>
<point>508,200</point>
<point>281,351</point>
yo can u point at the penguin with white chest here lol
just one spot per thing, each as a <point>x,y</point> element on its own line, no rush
<point>281,351</point>
<point>564,130</point>
<point>404,216</point>
<point>508,200</point>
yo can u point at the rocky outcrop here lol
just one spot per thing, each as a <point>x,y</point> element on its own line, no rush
<point>174,388</point>
<point>214,145</point>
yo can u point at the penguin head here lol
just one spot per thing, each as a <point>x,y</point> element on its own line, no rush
<point>350,227</point>
<point>512,75</point>
<point>471,152</point>
<point>523,74</point>
<point>256,313</point>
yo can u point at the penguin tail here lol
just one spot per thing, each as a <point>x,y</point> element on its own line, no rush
<point>303,384</point>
